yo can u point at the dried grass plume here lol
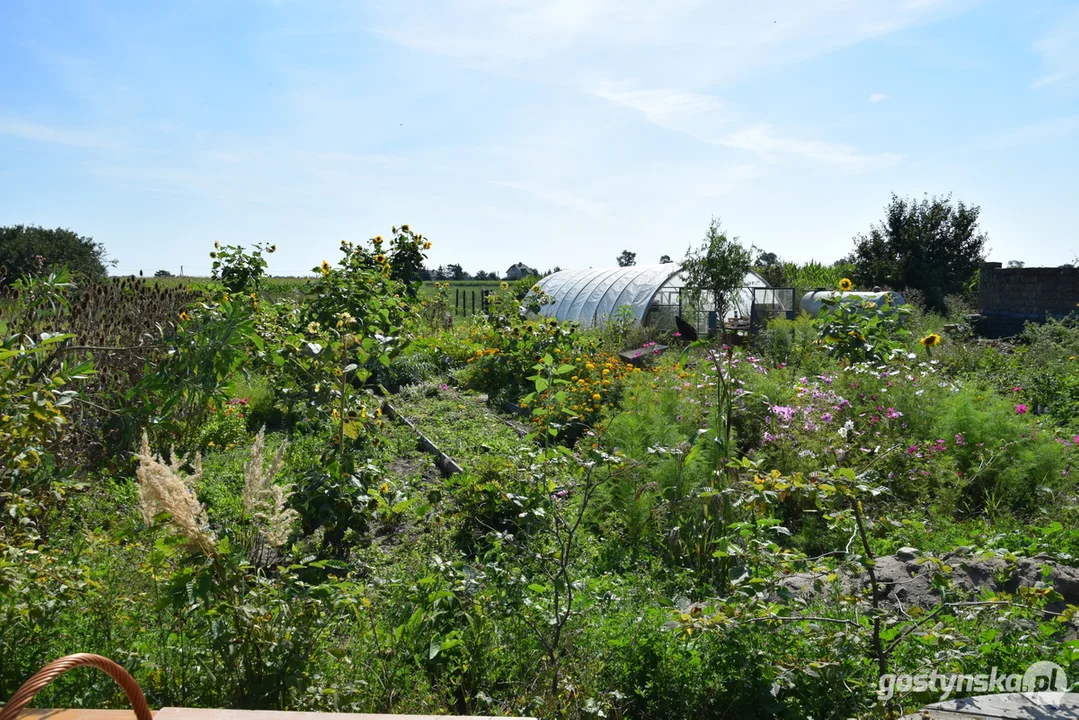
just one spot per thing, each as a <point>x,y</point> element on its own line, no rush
<point>265,502</point>
<point>163,488</point>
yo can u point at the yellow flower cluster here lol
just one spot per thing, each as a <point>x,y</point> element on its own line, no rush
<point>480,353</point>
<point>592,389</point>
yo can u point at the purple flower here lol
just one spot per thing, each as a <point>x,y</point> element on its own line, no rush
<point>783,412</point>
<point>959,439</point>
<point>827,417</point>
<point>912,449</point>
<point>892,413</point>
<point>1021,409</point>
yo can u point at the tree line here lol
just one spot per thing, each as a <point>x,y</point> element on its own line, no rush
<point>934,245</point>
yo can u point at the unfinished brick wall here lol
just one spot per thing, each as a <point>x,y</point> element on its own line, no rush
<point>1009,297</point>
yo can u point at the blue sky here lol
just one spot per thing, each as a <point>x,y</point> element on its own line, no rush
<point>551,132</point>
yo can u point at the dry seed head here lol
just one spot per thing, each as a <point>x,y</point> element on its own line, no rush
<point>163,489</point>
<point>264,501</point>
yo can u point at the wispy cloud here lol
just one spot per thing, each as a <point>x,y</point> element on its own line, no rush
<point>61,136</point>
<point>877,97</point>
<point>699,42</point>
<point>705,118</point>
<point>1030,134</point>
<point>1059,50</point>
<point>760,139</point>
<point>691,113</point>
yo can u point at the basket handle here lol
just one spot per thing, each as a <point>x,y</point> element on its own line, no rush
<point>56,668</point>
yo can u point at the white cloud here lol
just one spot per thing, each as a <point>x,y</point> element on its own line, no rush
<point>1030,134</point>
<point>60,136</point>
<point>1059,50</point>
<point>760,139</point>
<point>696,41</point>
<point>694,114</point>
<point>877,97</point>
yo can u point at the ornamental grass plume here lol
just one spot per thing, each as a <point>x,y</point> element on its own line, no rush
<point>264,501</point>
<point>162,488</point>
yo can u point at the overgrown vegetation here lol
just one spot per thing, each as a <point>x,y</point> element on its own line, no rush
<point>209,489</point>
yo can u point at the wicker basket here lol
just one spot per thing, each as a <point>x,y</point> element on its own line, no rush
<point>55,669</point>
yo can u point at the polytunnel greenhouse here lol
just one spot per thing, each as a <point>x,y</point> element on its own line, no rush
<point>654,294</point>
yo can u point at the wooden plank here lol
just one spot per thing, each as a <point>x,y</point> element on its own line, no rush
<point>75,714</point>
<point>173,713</point>
<point>1009,706</point>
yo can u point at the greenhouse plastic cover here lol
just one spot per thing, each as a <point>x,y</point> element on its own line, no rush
<point>592,296</point>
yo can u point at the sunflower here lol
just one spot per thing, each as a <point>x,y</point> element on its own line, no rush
<point>504,285</point>
<point>324,268</point>
<point>380,258</point>
<point>845,285</point>
<point>427,245</point>
<point>930,340</point>
<point>404,228</point>
<point>184,317</point>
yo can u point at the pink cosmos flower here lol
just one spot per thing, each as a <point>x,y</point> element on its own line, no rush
<point>1021,409</point>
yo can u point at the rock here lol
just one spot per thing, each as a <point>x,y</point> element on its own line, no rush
<point>907,553</point>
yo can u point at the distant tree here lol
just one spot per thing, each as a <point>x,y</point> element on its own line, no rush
<point>716,270</point>
<point>931,245</point>
<point>1016,263</point>
<point>456,272</point>
<point>766,259</point>
<point>772,269</point>
<point>29,248</point>
<point>484,275</point>
<point>627,258</point>
<point>664,259</point>
<point>426,274</point>
<point>162,273</point>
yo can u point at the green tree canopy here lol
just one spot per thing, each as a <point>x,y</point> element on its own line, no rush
<point>29,248</point>
<point>627,258</point>
<point>932,245</point>
<point>716,270</point>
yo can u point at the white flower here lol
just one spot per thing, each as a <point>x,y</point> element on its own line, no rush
<point>845,430</point>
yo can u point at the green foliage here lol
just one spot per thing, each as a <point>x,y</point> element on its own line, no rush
<point>31,250</point>
<point>997,459</point>
<point>859,330</point>
<point>238,270</point>
<point>929,245</point>
<point>716,270</point>
<point>804,277</point>
<point>689,539</point>
<point>792,342</point>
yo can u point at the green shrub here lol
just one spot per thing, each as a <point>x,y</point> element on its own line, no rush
<point>996,458</point>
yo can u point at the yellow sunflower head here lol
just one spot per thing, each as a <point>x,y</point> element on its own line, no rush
<point>930,340</point>
<point>504,285</point>
<point>380,258</point>
<point>845,285</point>
<point>324,268</point>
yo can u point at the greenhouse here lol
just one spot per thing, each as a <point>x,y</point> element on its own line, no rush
<point>653,294</point>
